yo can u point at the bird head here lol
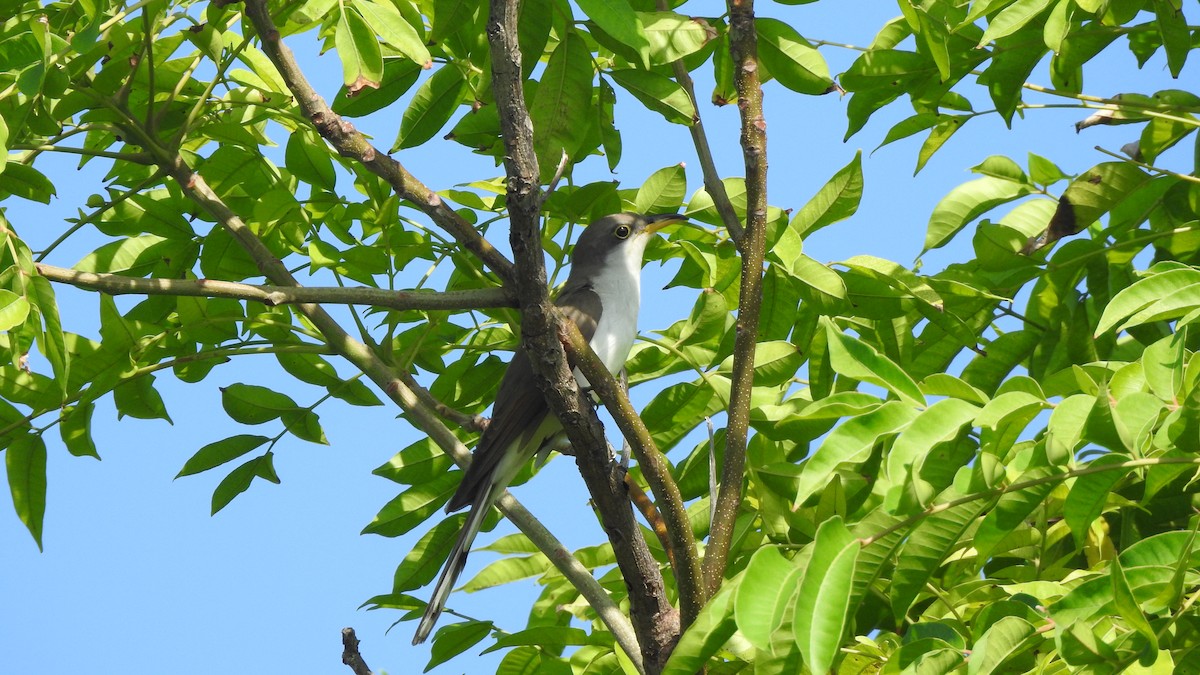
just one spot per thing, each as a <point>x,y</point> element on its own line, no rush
<point>623,235</point>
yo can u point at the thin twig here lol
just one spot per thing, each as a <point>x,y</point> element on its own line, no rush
<point>558,174</point>
<point>1149,167</point>
<point>712,180</point>
<point>654,519</point>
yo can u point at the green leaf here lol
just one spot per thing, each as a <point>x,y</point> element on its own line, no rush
<point>223,258</point>
<point>965,203</point>
<point>25,462</point>
<point>26,182</point>
<point>1013,59</point>
<point>305,425</point>
<point>421,461</point>
<point>1090,493</point>
<point>75,426</point>
<point>138,398</point>
<point>768,587</point>
<point>939,423</point>
<point>1175,32</point>
<point>32,389</point>
<point>617,19</point>
<point>3,144</point>
<point>308,159</point>
<point>389,24</point>
<point>218,452</point>
<point>837,200</point>
<point>880,70</point>
<point>413,506</point>
<point>51,340</point>
<point>663,191</point>
<point>454,639</point>
<point>859,360</point>
<point>399,75</point>
<point>550,638</point>
<point>819,278</point>
<point>1004,640</point>
<point>14,309</point>
<point>823,604</point>
<point>562,105</point>
<point>850,443</point>
<point>925,549</point>
<point>252,404</point>
<point>1162,364</point>
<point>708,633</point>
<point>673,36</point>
<point>1010,513</point>
<point>1101,188</point>
<point>1127,606</point>
<point>431,107</point>
<point>358,48</point>
<point>791,59</point>
<point>354,392</point>
<point>451,17</point>
<point>658,93</point>
<point>508,570</point>
<point>1044,172</point>
<point>426,557</point>
<point>775,363</point>
<point>1012,18</point>
<point>1065,429</point>
<point>1147,292</point>
<point>134,256</point>
<point>938,136</point>
<point>238,480</point>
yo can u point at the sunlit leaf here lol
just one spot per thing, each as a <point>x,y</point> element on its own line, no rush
<point>25,463</point>
<point>657,92</point>
<point>431,107</point>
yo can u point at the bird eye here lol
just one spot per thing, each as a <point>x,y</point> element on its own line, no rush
<point>622,231</point>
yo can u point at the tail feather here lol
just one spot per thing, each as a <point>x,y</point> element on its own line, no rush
<point>454,567</point>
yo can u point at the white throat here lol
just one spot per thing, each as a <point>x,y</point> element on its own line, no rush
<point>619,287</point>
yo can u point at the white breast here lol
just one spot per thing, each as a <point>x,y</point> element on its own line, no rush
<point>619,288</point>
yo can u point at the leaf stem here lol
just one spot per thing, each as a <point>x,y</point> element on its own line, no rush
<point>1149,167</point>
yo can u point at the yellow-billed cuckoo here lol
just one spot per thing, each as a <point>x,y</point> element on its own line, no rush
<point>601,296</point>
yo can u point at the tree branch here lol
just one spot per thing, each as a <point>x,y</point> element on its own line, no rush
<point>654,467</point>
<point>349,142</point>
<point>542,328</point>
<point>119,284</point>
<point>351,655</point>
<point>712,180</point>
<point>743,42</point>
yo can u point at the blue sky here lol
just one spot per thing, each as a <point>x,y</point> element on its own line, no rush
<point>137,577</point>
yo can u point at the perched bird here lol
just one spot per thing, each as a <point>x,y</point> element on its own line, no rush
<point>601,296</point>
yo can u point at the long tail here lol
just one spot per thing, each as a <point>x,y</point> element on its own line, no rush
<point>454,567</point>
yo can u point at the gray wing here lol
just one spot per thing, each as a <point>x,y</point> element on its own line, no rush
<point>520,405</point>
